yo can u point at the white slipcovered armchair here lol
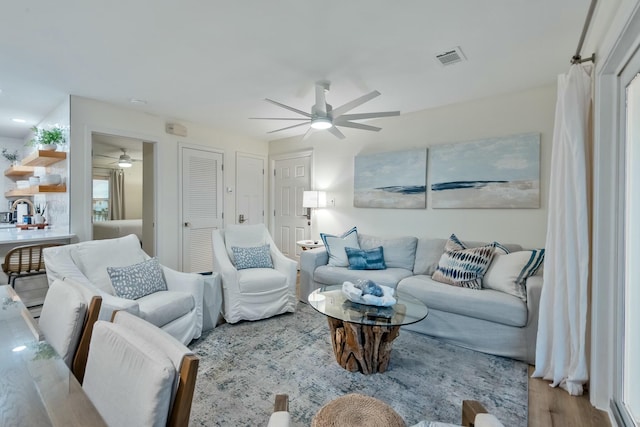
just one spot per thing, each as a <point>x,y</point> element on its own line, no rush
<point>177,311</point>
<point>253,293</point>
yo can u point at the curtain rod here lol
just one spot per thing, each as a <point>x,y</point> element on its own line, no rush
<point>577,59</point>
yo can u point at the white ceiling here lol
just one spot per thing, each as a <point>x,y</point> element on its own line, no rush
<point>213,62</point>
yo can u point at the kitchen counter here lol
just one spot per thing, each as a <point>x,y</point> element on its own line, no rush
<point>10,234</point>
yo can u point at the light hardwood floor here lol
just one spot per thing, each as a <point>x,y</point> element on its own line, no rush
<point>548,407</point>
<point>554,407</point>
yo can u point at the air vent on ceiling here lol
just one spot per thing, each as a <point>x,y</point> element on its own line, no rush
<point>451,56</point>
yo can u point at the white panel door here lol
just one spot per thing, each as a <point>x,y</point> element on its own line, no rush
<point>249,189</point>
<point>202,190</point>
<point>292,177</point>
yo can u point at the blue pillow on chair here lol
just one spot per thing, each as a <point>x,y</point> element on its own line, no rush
<point>254,257</point>
<point>366,259</point>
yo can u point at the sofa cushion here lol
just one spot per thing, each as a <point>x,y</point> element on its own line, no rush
<point>255,257</point>
<point>463,267</point>
<point>160,308</point>
<point>93,258</point>
<point>399,252</point>
<point>330,275</point>
<point>366,259</point>
<point>257,280</point>
<point>335,246</point>
<point>428,253</point>
<point>137,280</point>
<point>485,304</point>
<point>509,272</point>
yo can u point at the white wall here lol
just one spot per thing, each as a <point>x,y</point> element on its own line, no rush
<point>88,115</point>
<point>529,111</point>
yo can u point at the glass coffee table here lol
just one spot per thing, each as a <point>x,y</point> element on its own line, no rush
<point>362,335</point>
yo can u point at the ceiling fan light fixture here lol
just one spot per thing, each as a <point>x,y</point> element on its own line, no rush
<point>321,123</point>
<point>124,161</point>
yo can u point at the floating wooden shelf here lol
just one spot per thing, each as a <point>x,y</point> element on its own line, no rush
<point>19,171</point>
<point>44,158</point>
<point>36,189</point>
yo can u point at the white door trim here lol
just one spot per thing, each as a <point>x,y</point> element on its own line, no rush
<point>85,224</point>
<point>210,149</point>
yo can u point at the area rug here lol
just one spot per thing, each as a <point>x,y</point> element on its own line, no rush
<point>243,366</point>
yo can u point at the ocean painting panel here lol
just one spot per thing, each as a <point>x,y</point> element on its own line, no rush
<point>395,179</point>
<point>489,173</point>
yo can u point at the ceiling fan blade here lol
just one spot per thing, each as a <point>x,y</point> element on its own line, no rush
<point>334,130</point>
<point>337,112</point>
<point>308,133</point>
<point>356,125</point>
<point>288,127</point>
<point>321,102</point>
<point>295,110</point>
<point>274,118</point>
<point>105,156</point>
<point>369,115</point>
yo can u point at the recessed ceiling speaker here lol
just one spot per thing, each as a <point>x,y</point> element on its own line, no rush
<point>176,129</point>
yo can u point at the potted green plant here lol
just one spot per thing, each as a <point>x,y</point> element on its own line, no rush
<point>48,139</point>
<point>11,156</point>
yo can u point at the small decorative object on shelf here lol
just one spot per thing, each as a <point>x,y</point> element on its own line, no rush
<point>11,156</point>
<point>48,139</point>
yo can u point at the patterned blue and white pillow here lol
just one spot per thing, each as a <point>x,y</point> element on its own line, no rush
<point>366,259</point>
<point>463,267</point>
<point>254,257</point>
<point>137,280</point>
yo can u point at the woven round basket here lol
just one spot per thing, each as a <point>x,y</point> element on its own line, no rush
<point>357,410</point>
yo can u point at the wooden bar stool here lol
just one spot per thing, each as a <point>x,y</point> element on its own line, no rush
<point>23,261</point>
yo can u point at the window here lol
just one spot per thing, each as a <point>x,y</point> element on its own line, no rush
<point>100,199</point>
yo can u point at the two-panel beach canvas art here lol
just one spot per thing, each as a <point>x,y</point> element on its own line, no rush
<point>489,173</point>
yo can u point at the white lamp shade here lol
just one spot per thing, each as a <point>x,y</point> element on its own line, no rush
<point>314,199</point>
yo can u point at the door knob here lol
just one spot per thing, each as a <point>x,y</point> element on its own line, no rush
<point>187,224</point>
<point>242,219</point>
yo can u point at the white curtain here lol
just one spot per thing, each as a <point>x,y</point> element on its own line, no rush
<point>561,343</point>
<point>116,194</point>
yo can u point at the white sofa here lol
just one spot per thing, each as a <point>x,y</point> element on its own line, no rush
<point>485,320</point>
<point>178,310</point>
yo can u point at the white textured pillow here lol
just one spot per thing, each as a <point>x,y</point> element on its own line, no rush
<point>508,272</point>
<point>335,246</point>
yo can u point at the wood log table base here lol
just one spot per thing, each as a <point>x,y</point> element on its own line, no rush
<point>363,348</point>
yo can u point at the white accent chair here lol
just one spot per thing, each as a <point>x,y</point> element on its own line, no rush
<point>66,321</point>
<point>138,375</point>
<point>178,310</point>
<point>253,293</point>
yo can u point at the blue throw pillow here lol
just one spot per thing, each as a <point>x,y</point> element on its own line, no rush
<point>137,280</point>
<point>366,259</point>
<point>254,257</point>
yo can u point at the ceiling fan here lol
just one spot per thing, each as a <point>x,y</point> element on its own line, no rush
<point>324,116</point>
<point>124,161</point>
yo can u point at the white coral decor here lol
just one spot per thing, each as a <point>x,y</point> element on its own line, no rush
<point>352,293</point>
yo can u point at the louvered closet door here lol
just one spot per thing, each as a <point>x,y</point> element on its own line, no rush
<point>202,190</point>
